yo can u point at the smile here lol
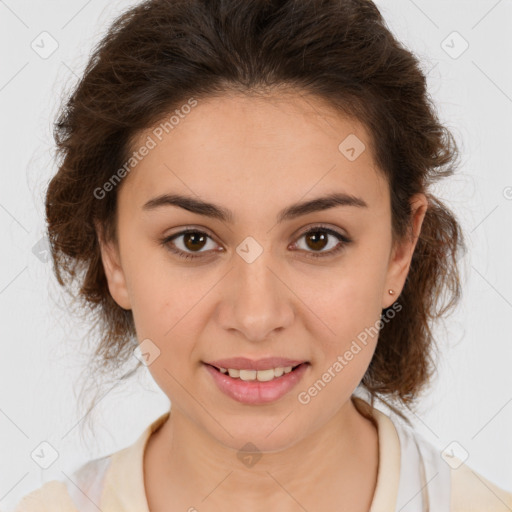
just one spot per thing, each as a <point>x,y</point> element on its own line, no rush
<point>259,375</point>
<point>256,386</point>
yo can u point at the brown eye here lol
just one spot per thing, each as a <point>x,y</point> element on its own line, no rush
<point>189,244</point>
<point>318,238</point>
<point>194,241</point>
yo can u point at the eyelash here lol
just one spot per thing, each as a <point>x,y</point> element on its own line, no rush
<point>166,242</point>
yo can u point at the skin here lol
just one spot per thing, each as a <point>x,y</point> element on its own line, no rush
<point>256,156</point>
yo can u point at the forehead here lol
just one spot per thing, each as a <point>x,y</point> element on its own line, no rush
<point>259,147</point>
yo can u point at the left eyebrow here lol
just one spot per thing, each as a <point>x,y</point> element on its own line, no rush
<point>291,212</point>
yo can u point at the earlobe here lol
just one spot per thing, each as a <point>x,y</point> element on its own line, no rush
<point>402,252</point>
<point>114,272</point>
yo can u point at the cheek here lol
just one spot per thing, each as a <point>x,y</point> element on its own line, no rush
<point>363,286</point>
<point>165,312</point>
<point>168,308</point>
<point>349,297</point>
<point>160,292</point>
<point>346,322</point>
<point>165,307</point>
<point>344,351</point>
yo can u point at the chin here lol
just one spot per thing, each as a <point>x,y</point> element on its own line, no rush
<point>267,435</point>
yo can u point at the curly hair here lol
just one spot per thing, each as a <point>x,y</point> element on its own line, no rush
<point>160,53</point>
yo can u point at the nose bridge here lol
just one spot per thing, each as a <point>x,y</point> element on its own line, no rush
<point>260,303</point>
<point>255,280</point>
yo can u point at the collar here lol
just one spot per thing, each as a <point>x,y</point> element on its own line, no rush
<point>124,483</point>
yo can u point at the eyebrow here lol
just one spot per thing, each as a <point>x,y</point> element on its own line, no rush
<point>223,214</point>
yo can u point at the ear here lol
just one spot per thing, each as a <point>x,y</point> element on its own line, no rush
<point>113,270</point>
<point>401,254</point>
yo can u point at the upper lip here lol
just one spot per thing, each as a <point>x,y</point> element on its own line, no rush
<point>242,363</point>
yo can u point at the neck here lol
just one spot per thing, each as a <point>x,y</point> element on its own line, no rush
<point>339,461</point>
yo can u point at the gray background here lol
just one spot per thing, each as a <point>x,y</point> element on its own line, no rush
<point>470,403</point>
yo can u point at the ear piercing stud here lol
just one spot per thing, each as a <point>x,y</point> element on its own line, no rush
<point>391,292</point>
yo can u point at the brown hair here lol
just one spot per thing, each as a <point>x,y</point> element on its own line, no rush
<point>160,53</point>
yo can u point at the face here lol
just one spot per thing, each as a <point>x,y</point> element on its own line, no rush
<point>251,281</point>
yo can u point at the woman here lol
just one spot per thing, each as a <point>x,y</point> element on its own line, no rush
<point>244,196</point>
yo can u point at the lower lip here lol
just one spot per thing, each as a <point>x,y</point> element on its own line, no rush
<point>256,392</point>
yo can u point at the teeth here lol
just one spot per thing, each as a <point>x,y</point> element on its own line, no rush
<point>248,374</point>
<point>265,375</point>
<point>260,375</point>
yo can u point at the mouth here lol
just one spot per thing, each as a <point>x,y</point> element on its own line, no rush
<point>253,387</point>
<point>250,375</point>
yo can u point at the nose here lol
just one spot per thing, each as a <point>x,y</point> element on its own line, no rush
<point>257,302</point>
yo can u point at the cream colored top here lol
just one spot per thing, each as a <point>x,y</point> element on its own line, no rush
<point>412,477</point>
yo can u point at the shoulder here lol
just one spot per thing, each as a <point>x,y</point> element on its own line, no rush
<point>468,490</point>
<point>105,483</point>
<point>83,487</point>
<point>471,492</point>
<point>446,482</point>
<point>53,496</point>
